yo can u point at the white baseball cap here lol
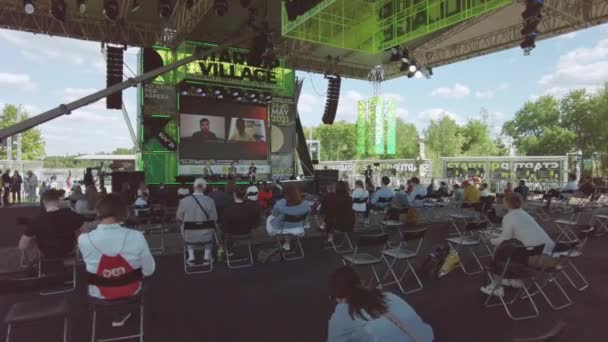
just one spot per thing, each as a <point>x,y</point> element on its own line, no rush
<point>200,183</point>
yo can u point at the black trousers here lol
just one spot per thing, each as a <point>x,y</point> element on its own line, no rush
<point>5,199</point>
<point>16,195</point>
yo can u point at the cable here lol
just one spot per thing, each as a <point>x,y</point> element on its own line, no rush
<point>313,86</point>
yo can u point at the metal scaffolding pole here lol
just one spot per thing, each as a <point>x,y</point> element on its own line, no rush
<point>65,109</point>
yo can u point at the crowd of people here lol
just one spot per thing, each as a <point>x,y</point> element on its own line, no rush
<point>13,186</point>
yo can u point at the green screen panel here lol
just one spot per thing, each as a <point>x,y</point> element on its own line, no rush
<point>380,122</point>
<point>377,25</point>
<point>390,112</point>
<point>371,126</point>
<point>160,167</point>
<point>361,127</point>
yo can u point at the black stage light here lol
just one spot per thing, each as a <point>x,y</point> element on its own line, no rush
<point>395,56</point>
<point>235,93</point>
<point>220,7</point>
<point>217,92</point>
<point>220,96</point>
<point>111,9</point>
<point>253,95</point>
<point>58,9</point>
<point>331,102</point>
<point>114,74</point>
<point>82,6</point>
<point>135,5</point>
<point>29,6</point>
<point>268,96</point>
<point>165,8</point>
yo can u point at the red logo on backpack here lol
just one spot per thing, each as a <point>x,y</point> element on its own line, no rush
<point>116,267</point>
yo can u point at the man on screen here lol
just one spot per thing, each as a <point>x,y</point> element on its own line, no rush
<point>204,134</point>
<point>241,133</point>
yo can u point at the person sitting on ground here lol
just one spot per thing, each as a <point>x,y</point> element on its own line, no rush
<point>518,224</point>
<point>338,211</point>
<point>55,230</point>
<point>264,197</point>
<point>472,195</point>
<point>292,205</point>
<point>240,217</point>
<point>221,199</point>
<point>360,198</point>
<point>197,208</point>
<point>252,192</point>
<point>485,191</point>
<point>183,190</point>
<point>112,247</point>
<point>418,193</point>
<point>382,197</point>
<point>86,206</point>
<point>522,189</point>
<point>363,314</point>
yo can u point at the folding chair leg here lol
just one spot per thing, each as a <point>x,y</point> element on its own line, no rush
<point>197,268</point>
<point>399,280</point>
<point>585,283</point>
<point>293,254</point>
<point>544,294</point>
<point>65,329</point>
<point>231,263</point>
<point>506,304</point>
<point>338,248</point>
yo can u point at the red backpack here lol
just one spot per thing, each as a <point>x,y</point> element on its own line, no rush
<point>114,268</point>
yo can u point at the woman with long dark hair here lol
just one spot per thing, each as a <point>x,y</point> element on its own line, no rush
<point>337,208</point>
<point>366,315</point>
<point>291,205</point>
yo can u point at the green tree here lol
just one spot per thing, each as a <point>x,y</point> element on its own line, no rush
<point>538,129</point>
<point>406,141</point>
<point>337,141</point>
<point>32,143</point>
<point>442,139</point>
<point>122,150</point>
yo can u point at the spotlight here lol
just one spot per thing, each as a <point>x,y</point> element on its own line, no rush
<point>254,100</point>
<point>82,6</point>
<point>405,60</point>
<point>239,98</point>
<point>29,6</point>
<point>252,96</point>
<point>110,9</point>
<point>189,3</point>
<point>58,9</point>
<point>395,54</point>
<point>199,90</point>
<point>235,93</point>
<point>135,5</point>
<point>220,96</point>
<point>268,97</point>
<point>165,8</point>
<point>413,68</point>
<point>220,7</point>
<point>184,93</point>
<point>418,74</point>
<point>217,92</point>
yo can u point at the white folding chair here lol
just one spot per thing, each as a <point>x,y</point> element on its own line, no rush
<point>232,261</point>
<point>368,252</point>
<point>203,267</point>
<point>403,253</point>
<point>566,229</point>
<point>298,252</point>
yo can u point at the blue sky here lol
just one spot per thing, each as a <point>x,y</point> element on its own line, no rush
<point>40,72</point>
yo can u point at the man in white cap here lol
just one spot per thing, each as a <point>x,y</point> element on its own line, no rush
<point>197,208</point>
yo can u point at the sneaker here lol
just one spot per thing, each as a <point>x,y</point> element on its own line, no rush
<point>489,289</point>
<point>515,283</point>
<point>207,262</point>
<point>191,262</point>
<point>286,247</point>
<point>119,322</point>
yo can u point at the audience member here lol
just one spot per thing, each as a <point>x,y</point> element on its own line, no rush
<point>360,198</point>
<point>518,224</point>
<point>485,191</point>
<point>198,208</point>
<point>508,188</point>
<point>55,230</point>
<point>113,251</point>
<point>567,191</point>
<point>585,188</point>
<point>383,197</point>
<point>458,197</point>
<point>221,199</point>
<point>87,205</point>
<point>363,314</point>
<point>338,210</point>
<point>143,190</point>
<point>399,204</point>
<point>88,177</point>
<point>31,185</point>
<point>76,196</point>
<point>183,190</point>
<point>472,195</point>
<point>252,192</point>
<point>443,190</point>
<point>265,197</point>
<point>571,186</point>
<point>290,207</point>
<point>522,189</point>
<point>240,217</point>
<point>16,182</point>
<point>6,187</point>
<point>418,193</point>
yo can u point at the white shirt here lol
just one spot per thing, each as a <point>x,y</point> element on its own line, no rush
<point>108,239</point>
<point>570,186</point>
<point>485,193</point>
<point>255,190</point>
<point>360,193</point>
<point>419,190</point>
<point>518,224</point>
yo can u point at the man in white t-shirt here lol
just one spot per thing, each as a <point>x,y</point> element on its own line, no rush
<point>419,191</point>
<point>113,251</point>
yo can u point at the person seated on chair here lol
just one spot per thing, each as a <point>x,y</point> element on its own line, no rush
<point>113,251</point>
<point>522,189</point>
<point>443,190</point>
<point>518,224</point>
<point>485,191</point>
<point>585,188</point>
<point>221,198</point>
<point>508,188</point>
<point>252,192</point>
<point>363,314</point>
<point>264,197</point>
<point>399,204</point>
<point>360,198</point>
<point>472,195</point>
<point>418,193</point>
<point>55,230</point>
<point>382,197</point>
<point>241,217</point>
<point>338,211</point>
<point>458,195</point>
<point>197,208</point>
<point>75,195</point>
<point>86,206</point>
<point>566,191</point>
<point>291,207</point>
<point>183,191</point>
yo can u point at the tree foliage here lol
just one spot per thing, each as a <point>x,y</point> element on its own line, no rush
<point>32,143</point>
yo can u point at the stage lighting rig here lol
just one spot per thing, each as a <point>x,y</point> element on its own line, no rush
<point>82,6</point>
<point>58,10</point>
<point>111,9</point>
<point>165,8</point>
<point>29,6</point>
<point>531,16</point>
<point>220,7</point>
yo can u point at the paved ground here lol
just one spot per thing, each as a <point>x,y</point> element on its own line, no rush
<point>288,301</point>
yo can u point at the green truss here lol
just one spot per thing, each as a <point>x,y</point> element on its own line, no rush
<point>374,26</point>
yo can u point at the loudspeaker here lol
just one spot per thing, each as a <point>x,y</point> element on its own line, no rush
<point>114,64</point>
<point>331,101</point>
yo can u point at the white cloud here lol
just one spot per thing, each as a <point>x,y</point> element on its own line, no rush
<point>457,91</point>
<point>20,81</point>
<point>485,94</point>
<point>567,36</point>
<point>307,103</point>
<point>585,68</point>
<point>424,118</point>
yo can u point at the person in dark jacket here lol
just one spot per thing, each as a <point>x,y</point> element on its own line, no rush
<point>6,187</point>
<point>338,210</point>
<point>240,217</point>
<point>16,182</point>
<point>522,189</point>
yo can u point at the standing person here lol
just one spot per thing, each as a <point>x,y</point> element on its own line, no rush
<point>252,171</point>
<point>338,210</point>
<point>509,188</point>
<point>16,182</point>
<point>360,199</point>
<point>363,314</point>
<point>368,175</point>
<point>207,171</point>
<point>232,171</point>
<point>31,185</point>
<point>6,187</point>
<point>198,208</point>
<point>522,189</point>
<point>221,199</point>
<point>88,177</point>
<point>113,251</point>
